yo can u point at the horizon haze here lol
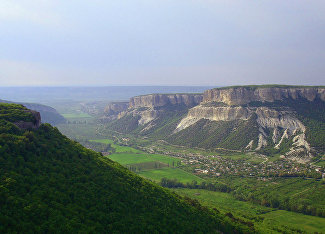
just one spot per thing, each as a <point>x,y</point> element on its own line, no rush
<point>182,43</point>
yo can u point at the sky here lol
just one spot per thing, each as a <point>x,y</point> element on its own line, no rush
<point>161,42</point>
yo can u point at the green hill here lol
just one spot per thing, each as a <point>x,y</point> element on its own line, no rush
<point>49,184</point>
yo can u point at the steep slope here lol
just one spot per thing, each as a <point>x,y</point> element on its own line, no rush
<point>49,183</point>
<point>49,114</point>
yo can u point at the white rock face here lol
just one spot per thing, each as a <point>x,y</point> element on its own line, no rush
<point>269,118</point>
<point>214,114</point>
<point>157,100</point>
<point>245,95</point>
<point>266,117</point>
<point>250,145</point>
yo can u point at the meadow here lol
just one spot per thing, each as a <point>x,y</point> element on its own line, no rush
<point>264,218</point>
<point>170,173</point>
<point>134,158</point>
<point>154,166</point>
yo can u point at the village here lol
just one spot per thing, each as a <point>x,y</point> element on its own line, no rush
<point>249,165</point>
<point>222,166</point>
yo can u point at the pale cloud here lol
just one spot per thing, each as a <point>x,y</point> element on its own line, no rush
<point>42,12</point>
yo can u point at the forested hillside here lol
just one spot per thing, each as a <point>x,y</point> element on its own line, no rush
<point>49,183</point>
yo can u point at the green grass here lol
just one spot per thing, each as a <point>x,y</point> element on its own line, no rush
<point>263,217</point>
<point>170,173</point>
<point>118,148</point>
<point>321,163</point>
<point>137,159</point>
<point>307,223</point>
<point>132,158</point>
<point>76,115</point>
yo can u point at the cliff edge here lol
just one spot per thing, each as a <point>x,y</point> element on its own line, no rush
<point>246,94</point>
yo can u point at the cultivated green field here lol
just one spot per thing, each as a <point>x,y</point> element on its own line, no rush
<point>118,148</point>
<point>143,160</point>
<point>132,158</point>
<point>263,217</point>
<point>170,173</point>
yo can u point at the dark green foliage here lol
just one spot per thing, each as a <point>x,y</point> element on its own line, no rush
<point>174,183</point>
<point>15,113</point>
<point>126,124</point>
<point>221,134</point>
<point>50,184</point>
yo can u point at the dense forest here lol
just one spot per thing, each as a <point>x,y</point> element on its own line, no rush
<point>49,183</point>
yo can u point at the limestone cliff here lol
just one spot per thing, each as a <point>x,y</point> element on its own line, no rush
<point>246,94</point>
<point>158,100</point>
<point>114,108</point>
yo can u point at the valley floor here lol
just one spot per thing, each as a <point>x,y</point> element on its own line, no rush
<point>166,161</point>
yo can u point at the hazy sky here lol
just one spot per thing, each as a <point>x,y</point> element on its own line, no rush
<point>177,42</point>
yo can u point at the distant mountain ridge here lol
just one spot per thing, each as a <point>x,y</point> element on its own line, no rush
<point>272,119</point>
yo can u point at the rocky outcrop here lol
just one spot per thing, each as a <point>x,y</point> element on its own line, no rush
<point>114,108</point>
<point>244,95</point>
<point>30,125</point>
<point>266,117</point>
<point>158,100</point>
